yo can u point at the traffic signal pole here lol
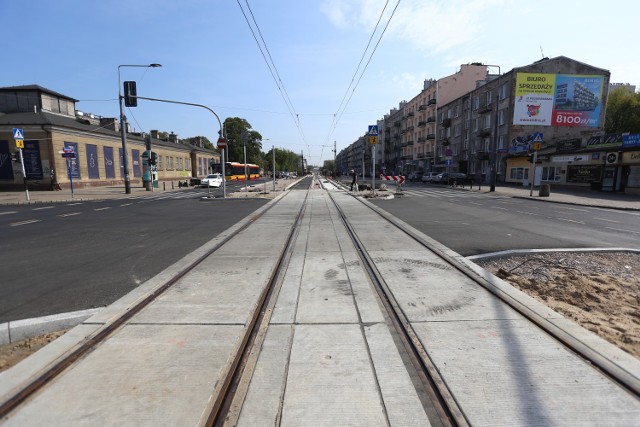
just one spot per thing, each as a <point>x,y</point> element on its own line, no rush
<point>221,132</point>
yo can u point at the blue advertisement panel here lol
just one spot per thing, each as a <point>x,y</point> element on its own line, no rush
<point>631,140</point>
<point>32,160</point>
<point>73,164</point>
<point>121,163</point>
<point>92,161</point>
<point>6,168</point>
<point>135,162</point>
<point>109,163</point>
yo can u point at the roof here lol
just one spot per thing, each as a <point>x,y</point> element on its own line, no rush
<point>44,118</point>
<point>557,59</point>
<point>36,88</point>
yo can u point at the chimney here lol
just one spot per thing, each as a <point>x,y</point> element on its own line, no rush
<point>109,123</point>
<point>173,138</point>
<point>154,133</point>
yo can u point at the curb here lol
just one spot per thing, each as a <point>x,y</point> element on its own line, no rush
<point>19,330</point>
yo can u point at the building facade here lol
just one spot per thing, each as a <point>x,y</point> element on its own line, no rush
<point>51,126</point>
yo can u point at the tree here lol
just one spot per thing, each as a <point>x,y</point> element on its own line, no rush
<point>200,141</point>
<point>329,166</point>
<point>285,160</point>
<point>238,132</point>
<point>623,111</point>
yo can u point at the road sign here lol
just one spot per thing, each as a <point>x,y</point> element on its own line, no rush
<point>19,143</point>
<point>399,179</point>
<point>537,137</point>
<point>373,130</point>
<point>68,149</point>
<point>536,146</point>
<point>69,155</point>
<point>448,162</point>
<point>18,133</point>
<point>222,143</point>
<point>373,140</point>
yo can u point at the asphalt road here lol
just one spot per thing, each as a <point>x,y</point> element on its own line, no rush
<point>64,257</point>
<point>476,223</point>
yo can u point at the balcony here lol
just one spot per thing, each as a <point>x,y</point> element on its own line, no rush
<point>421,155</point>
<point>431,102</point>
<point>422,124</point>
<point>410,142</point>
<point>407,157</point>
<point>431,136</point>
<point>422,107</point>
<point>410,114</point>
<point>484,133</point>
<point>422,139</point>
<point>482,155</point>
<point>484,109</point>
<point>396,123</point>
<point>446,123</point>
<point>431,119</point>
<point>445,142</point>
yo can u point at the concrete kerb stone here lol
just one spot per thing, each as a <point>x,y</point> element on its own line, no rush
<point>519,252</point>
<point>19,330</point>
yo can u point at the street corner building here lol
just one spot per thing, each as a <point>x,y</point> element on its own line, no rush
<point>62,146</point>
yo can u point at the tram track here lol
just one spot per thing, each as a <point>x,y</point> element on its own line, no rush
<point>227,395</point>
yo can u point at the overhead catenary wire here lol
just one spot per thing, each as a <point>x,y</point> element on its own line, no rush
<point>339,113</point>
<point>272,67</point>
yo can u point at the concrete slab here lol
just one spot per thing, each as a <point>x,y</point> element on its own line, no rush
<point>263,403</point>
<point>221,290</point>
<point>367,303</point>
<point>401,401</point>
<point>326,295</point>
<point>506,372</point>
<point>331,380</point>
<point>429,289</point>
<point>146,375</point>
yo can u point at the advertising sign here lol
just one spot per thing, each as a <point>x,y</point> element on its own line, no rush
<point>109,166</point>
<point>584,173</point>
<point>92,161</point>
<point>558,99</point>
<point>32,161</point>
<point>631,140</point>
<point>136,165</point>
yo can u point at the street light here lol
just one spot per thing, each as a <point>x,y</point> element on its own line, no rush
<point>123,127</point>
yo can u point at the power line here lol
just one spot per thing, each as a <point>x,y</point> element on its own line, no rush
<point>338,115</point>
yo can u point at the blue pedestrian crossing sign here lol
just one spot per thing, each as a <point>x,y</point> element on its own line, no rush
<point>537,137</point>
<point>373,130</point>
<point>18,133</point>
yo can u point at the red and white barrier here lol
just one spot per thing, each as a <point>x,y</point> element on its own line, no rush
<point>397,178</point>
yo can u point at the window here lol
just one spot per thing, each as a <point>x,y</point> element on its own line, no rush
<point>503,91</point>
<point>476,102</point>
<point>551,173</point>
<point>501,117</point>
<point>457,130</point>
<point>517,173</point>
<point>475,124</point>
<point>487,121</point>
<point>488,98</point>
<point>501,142</point>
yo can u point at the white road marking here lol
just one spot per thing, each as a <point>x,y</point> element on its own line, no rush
<point>621,229</point>
<point>608,220</point>
<point>44,207</point>
<point>572,209</point>
<point>498,207</point>
<point>528,213</point>
<point>29,221</point>
<point>571,220</point>
<point>7,213</point>
<point>127,204</point>
<point>70,214</point>
<point>102,209</point>
<point>74,204</point>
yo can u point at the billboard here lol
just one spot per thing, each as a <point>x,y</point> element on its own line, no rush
<point>558,99</point>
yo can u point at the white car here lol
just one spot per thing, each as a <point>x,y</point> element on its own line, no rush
<point>213,180</point>
<point>428,176</point>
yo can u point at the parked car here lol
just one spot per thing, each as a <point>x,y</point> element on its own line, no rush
<point>450,178</point>
<point>213,180</point>
<point>413,176</point>
<point>429,176</point>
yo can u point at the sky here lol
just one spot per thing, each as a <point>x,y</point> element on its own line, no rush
<point>304,73</point>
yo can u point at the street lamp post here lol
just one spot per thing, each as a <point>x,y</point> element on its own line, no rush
<point>123,127</point>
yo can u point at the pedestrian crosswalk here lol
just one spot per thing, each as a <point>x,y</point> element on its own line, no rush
<point>187,193</point>
<point>447,193</point>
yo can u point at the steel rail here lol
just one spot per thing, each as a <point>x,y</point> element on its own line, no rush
<point>440,396</point>
<point>216,415</point>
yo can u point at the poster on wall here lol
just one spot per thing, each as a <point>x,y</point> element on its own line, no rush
<point>92,161</point>
<point>137,165</point>
<point>558,99</point>
<point>109,166</point>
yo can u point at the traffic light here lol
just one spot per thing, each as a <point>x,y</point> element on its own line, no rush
<point>153,159</point>
<point>130,94</point>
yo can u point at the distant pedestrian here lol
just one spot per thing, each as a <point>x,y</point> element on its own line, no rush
<point>354,179</point>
